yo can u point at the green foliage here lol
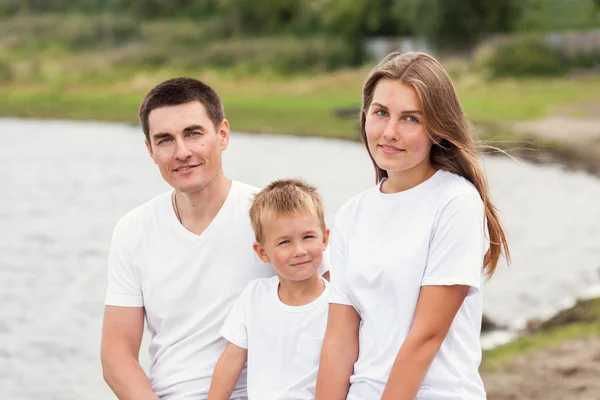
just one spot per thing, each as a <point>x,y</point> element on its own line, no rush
<point>284,55</point>
<point>457,23</point>
<point>520,57</point>
<point>558,15</point>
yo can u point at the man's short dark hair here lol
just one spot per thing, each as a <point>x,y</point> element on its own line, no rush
<point>174,92</point>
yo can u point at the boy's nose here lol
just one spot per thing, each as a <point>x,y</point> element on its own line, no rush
<point>299,250</point>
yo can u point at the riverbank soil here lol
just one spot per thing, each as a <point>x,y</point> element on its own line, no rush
<point>574,142</point>
<point>567,371</point>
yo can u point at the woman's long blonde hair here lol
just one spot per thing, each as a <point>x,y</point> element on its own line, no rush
<point>454,147</point>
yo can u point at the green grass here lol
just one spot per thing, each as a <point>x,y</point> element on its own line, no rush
<point>580,321</point>
<point>301,105</point>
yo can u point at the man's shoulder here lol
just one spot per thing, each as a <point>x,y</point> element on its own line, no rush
<point>243,190</point>
<point>145,212</point>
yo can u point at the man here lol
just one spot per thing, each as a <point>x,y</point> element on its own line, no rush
<point>181,259</point>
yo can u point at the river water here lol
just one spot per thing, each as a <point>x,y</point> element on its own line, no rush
<point>65,184</point>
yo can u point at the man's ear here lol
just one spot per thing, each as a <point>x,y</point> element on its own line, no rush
<point>224,132</point>
<point>149,148</point>
<point>260,251</point>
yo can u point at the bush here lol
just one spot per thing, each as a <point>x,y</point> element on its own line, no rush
<point>284,55</point>
<point>519,57</point>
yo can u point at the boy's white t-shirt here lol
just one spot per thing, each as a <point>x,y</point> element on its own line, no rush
<point>187,284</point>
<point>384,247</point>
<point>284,342</point>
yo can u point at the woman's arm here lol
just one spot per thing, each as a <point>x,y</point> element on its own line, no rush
<point>434,314</point>
<point>227,372</point>
<point>339,353</point>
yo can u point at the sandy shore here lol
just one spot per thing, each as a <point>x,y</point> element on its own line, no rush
<point>568,371</point>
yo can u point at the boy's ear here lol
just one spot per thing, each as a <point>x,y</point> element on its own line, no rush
<point>260,252</point>
<point>326,238</point>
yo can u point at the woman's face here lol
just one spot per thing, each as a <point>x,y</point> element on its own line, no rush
<point>395,128</point>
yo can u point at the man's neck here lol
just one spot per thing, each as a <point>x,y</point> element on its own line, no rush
<point>299,293</point>
<point>197,209</point>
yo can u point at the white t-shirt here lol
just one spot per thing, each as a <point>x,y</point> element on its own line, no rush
<point>187,284</point>
<point>284,342</point>
<point>384,247</point>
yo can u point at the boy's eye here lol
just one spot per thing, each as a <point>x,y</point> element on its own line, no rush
<point>283,242</point>
<point>309,236</point>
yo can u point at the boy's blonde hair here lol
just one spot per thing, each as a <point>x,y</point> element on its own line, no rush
<point>284,198</point>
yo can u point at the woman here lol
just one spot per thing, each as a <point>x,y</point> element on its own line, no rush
<point>408,255</point>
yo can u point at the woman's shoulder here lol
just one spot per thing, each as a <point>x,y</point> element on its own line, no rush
<point>452,185</point>
<point>357,201</point>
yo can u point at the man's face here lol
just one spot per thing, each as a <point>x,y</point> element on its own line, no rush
<point>186,146</point>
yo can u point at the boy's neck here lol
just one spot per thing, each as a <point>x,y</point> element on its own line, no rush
<point>299,293</point>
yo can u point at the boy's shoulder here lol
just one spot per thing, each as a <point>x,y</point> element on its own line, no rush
<point>260,287</point>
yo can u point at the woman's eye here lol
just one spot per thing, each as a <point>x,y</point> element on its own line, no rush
<point>381,113</point>
<point>410,118</point>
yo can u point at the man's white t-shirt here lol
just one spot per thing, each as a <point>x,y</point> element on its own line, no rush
<point>384,247</point>
<point>284,342</point>
<point>187,284</point>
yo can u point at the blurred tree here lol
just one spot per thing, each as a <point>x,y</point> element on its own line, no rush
<point>356,20</point>
<point>456,24</point>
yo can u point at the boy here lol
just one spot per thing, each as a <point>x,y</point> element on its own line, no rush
<point>278,323</point>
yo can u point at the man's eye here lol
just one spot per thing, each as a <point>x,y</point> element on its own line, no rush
<point>165,140</point>
<point>195,133</point>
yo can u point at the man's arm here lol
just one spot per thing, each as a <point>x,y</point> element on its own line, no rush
<point>339,353</point>
<point>227,372</point>
<point>122,332</point>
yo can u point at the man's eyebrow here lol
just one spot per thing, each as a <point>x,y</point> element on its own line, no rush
<point>194,127</point>
<point>162,135</point>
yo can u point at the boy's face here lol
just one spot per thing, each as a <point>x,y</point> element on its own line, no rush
<point>294,245</point>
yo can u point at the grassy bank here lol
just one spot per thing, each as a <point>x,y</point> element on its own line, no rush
<point>578,322</point>
<point>301,105</point>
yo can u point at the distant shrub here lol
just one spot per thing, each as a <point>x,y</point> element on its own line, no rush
<point>520,57</point>
<point>284,55</point>
<point>585,60</point>
<point>6,72</point>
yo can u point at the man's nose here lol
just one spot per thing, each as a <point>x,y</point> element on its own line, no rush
<point>182,150</point>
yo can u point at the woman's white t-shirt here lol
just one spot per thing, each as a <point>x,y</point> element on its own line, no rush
<point>284,342</point>
<point>384,247</point>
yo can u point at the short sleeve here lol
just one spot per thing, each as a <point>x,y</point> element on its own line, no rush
<point>458,245</point>
<point>326,263</point>
<point>338,287</point>
<point>124,288</point>
<point>235,328</point>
